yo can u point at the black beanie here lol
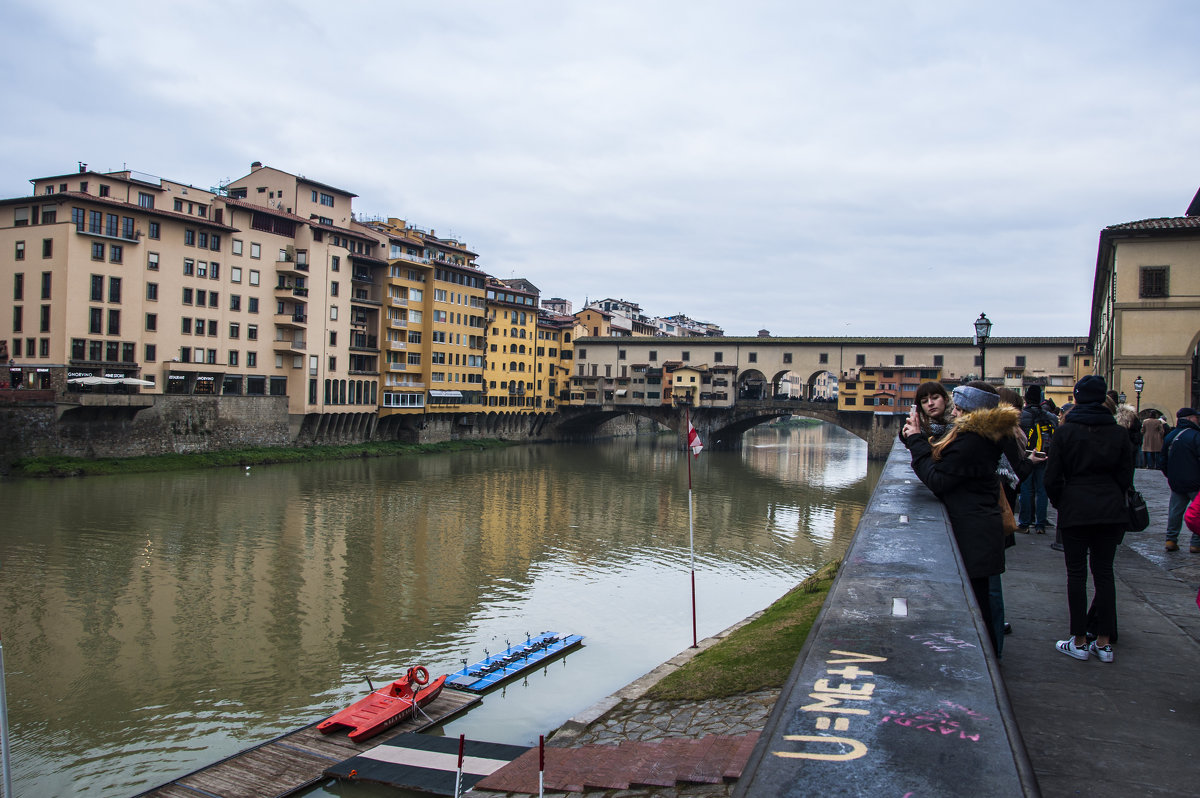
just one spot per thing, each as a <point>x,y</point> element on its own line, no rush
<point>1033,395</point>
<point>1091,390</point>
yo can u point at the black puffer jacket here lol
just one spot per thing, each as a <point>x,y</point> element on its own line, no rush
<point>1090,467</point>
<point>965,479</point>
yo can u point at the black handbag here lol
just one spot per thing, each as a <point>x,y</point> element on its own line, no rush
<point>1139,513</point>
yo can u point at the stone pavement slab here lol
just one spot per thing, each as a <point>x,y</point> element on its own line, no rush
<point>1130,727</point>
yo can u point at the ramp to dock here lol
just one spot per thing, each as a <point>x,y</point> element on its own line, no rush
<point>298,759</point>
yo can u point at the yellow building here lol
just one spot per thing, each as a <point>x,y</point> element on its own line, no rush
<point>512,313</point>
<point>434,327</point>
<point>1145,320</point>
<point>555,350</point>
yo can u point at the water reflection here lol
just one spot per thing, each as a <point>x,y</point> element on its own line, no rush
<point>153,624</point>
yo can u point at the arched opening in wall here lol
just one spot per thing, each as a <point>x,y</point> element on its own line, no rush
<point>822,387</point>
<point>753,386</point>
<point>788,386</point>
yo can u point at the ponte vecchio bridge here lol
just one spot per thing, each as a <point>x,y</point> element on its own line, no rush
<point>732,384</point>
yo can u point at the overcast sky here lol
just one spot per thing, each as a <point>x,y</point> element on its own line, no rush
<point>883,168</point>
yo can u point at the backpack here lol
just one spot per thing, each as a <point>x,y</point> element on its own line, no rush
<point>1040,434</point>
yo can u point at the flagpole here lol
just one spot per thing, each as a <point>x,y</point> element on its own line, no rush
<point>691,535</point>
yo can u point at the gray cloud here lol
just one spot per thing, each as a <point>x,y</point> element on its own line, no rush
<point>871,170</point>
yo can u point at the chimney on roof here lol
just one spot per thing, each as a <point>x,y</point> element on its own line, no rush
<point>82,167</point>
<point>256,166</point>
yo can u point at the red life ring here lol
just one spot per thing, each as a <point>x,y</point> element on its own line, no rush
<point>419,675</point>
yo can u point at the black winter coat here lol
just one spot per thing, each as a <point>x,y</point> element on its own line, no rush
<point>1089,469</point>
<point>1182,456</point>
<point>965,479</point>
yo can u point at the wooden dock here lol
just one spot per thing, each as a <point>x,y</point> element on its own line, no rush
<point>298,759</point>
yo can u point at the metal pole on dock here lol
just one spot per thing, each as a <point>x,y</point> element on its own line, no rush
<point>5,763</point>
<point>541,765</point>
<point>458,777</point>
<point>692,451</point>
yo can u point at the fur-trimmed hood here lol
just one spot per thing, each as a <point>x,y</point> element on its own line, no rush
<point>1127,417</point>
<point>993,423</point>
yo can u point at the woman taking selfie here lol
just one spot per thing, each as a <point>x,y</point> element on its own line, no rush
<point>960,469</point>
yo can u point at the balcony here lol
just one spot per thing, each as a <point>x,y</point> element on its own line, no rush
<point>398,324</point>
<point>290,290</point>
<point>397,367</point>
<point>398,302</point>
<point>289,346</point>
<point>396,346</point>
<point>288,265</point>
<point>297,320</point>
<point>364,298</point>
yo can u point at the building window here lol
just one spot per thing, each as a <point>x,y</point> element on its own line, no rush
<point>187,296</point>
<point>235,329</point>
<point>327,199</point>
<point>153,230</point>
<point>115,253</point>
<point>255,250</point>
<point>45,320</point>
<point>752,357</point>
<point>254,275</point>
<point>114,290</point>
<point>939,360</point>
<point>95,321</point>
<point>20,251</point>
<point>47,247</point>
<point>1064,361</point>
<point>151,353</point>
<point>152,261</point>
<point>18,286</point>
<point>899,360</point>
<point>189,237</point>
<point>860,360</point>
<point>97,251</point>
<point>114,322</point>
<point>686,355</point>
<point>97,292</point>
<point>252,334</point>
<point>978,360</point>
<point>151,322</point>
<point>1020,362</point>
<point>237,246</point>
<point>333,288</point>
<point>1153,282</point>
<point>189,267</point>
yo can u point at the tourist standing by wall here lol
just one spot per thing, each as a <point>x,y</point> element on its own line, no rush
<point>1088,472</point>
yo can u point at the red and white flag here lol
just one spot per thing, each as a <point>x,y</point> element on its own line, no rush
<point>694,442</point>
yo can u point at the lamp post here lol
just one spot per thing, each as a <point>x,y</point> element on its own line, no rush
<point>1138,385</point>
<point>983,330</point>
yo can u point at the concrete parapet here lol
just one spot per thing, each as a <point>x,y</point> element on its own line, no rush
<point>896,690</point>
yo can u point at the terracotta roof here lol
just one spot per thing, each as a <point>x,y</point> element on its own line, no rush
<point>250,206</point>
<point>1167,223</point>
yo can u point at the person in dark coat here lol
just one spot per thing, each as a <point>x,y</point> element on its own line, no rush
<point>1033,488</point>
<point>1181,464</point>
<point>960,469</point>
<point>1088,472</point>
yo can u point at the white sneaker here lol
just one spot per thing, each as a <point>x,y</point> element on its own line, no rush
<point>1105,653</point>
<point>1069,648</point>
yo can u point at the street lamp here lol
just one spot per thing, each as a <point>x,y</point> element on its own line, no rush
<point>983,329</point>
<point>1138,385</point>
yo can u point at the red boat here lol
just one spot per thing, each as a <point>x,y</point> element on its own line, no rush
<point>385,707</point>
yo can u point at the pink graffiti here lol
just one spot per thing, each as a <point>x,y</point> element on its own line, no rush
<point>939,721</point>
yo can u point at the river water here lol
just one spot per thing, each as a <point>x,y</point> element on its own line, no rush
<point>153,624</point>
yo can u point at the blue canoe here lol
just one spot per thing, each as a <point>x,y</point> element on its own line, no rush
<point>497,668</point>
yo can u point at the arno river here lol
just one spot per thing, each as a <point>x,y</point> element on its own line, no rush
<point>155,624</point>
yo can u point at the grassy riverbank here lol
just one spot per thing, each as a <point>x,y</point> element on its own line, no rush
<point>78,466</point>
<point>759,655</point>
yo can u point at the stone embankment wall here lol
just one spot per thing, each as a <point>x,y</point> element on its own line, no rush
<point>161,424</point>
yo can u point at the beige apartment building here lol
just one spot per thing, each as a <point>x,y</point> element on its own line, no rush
<point>1145,321</point>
